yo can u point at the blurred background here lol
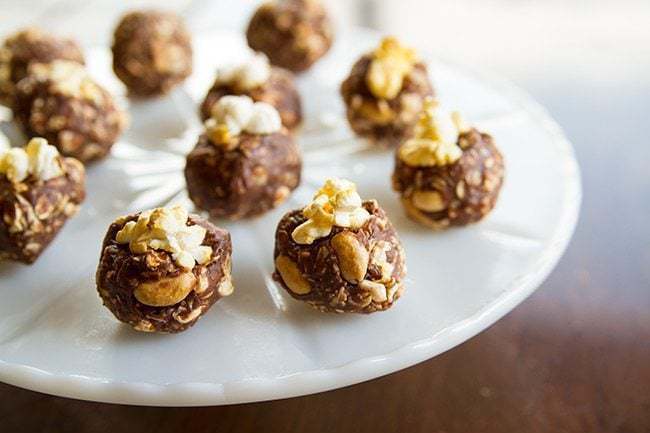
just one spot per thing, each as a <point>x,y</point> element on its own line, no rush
<point>575,357</point>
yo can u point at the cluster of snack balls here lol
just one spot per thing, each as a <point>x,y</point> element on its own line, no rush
<point>161,269</point>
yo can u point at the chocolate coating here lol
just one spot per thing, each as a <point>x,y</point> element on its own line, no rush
<point>385,122</point>
<point>33,211</point>
<point>31,46</point>
<point>255,176</point>
<point>279,91</point>
<point>456,194</point>
<point>375,247</point>
<point>294,34</point>
<point>152,52</point>
<point>120,272</point>
<point>81,127</point>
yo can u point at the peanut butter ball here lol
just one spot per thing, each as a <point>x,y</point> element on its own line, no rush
<point>339,253</point>
<point>294,34</point>
<point>245,162</point>
<point>384,93</point>
<point>260,81</point>
<point>449,174</point>
<point>39,191</point>
<point>162,269</point>
<point>62,103</point>
<point>28,46</point>
<point>152,52</point>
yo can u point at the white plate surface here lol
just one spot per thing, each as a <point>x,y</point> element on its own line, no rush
<point>259,344</point>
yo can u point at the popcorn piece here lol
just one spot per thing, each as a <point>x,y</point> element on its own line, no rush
<point>336,203</point>
<point>14,164</point>
<point>38,159</point>
<point>234,112</point>
<point>264,119</point>
<point>166,229</point>
<point>43,159</point>
<point>436,137</point>
<point>392,62</point>
<point>249,75</point>
<point>233,115</point>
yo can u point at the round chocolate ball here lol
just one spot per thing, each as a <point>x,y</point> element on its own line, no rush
<point>455,194</point>
<point>61,103</point>
<point>35,208</point>
<point>279,90</point>
<point>152,52</point>
<point>250,176</point>
<point>385,114</point>
<point>349,270</point>
<point>294,34</point>
<point>31,46</point>
<point>149,290</point>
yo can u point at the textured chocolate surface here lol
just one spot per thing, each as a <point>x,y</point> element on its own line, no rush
<point>385,122</point>
<point>255,176</point>
<point>120,272</point>
<point>279,91</point>
<point>293,34</point>
<point>33,211</point>
<point>456,194</point>
<point>27,47</point>
<point>80,127</point>
<point>373,252</point>
<point>152,52</point>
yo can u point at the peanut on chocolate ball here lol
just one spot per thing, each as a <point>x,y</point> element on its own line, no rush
<point>294,34</point>
<point>29,46</point>
<point>162,269</point>
<point>339,253</point>
<point>449,174</point>
<point>384,93</point>
<point>245,163</point>
<point>152,52</point>
<point>260,81</point>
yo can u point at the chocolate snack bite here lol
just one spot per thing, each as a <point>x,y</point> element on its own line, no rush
<point>449,174</point>
<point>260,81</point>
<point>340,254</point>
<point>39,192</point>
<point>152,52</point>
<point>384,93</point>
<point>294,34</point>
<point>162,269</point>
<point>28,46</point>
<point>62,103</point>
<point>245,163</point>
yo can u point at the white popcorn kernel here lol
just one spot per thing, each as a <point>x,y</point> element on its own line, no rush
<point>265,119</point>
<point>249,75</point>
<point>337,203</point>
<point>43,159</point>
<point>166,229</point>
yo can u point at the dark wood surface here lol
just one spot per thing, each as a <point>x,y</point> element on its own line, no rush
<point>574,357</point>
